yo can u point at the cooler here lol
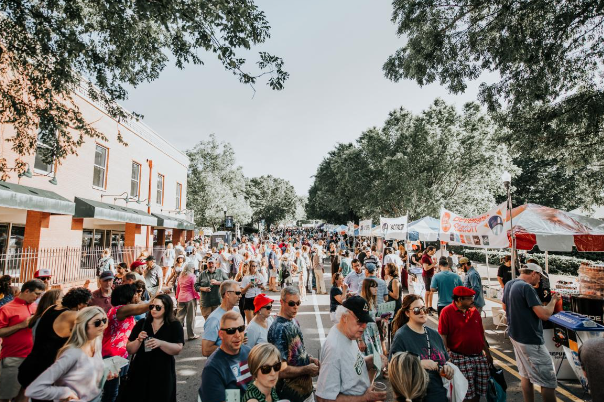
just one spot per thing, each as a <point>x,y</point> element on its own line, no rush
<point>570,331</point>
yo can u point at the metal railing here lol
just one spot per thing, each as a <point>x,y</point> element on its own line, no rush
<point>66,264</point>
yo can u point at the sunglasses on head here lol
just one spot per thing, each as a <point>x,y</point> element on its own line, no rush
<point>157,307</point>
<point>231,331</point>
<point>419,310</point>
<point>292,303</point>
<point>99,322</point>
<point>267,368</point>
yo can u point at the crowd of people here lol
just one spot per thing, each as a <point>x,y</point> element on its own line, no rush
<point>119,342</point>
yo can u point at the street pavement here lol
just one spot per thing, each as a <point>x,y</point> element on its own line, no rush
<point>314,320</point>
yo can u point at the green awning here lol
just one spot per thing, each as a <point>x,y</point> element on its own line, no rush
<point>100,210</point>
<point>171,222</point>
<point>34,199</point>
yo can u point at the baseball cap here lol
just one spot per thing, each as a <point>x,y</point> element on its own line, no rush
<point>463,291</point>
<point>42,273</point>
<point>150,258</point>
<point>534,267</point>
<point>359,307</point>
<point>463,260</point>
<point>211,259</point>
<point>136,264</point>
<point>370,267</point>
<point>260,301</point>
<point>106,275</point>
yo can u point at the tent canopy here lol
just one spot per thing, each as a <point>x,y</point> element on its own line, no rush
<point>555,230</point>
<point>424,229</point>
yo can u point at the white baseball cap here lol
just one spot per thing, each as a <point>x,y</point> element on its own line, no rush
<point>536,268</point>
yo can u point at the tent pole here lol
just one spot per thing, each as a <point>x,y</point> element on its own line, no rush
<point>486,254</point>
<point>547,262</point>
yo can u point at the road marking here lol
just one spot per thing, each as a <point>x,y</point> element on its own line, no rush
<point>318,318</point>
<point>515,373</point>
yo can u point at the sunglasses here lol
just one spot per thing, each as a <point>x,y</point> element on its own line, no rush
<point>139,290</point>
<point>99,322</point>
<point>268,307</point>
<point>231,331</point>
<point>419,310</point>
<point>232,291</point>
<point>292,303</point>
<point>157,307</point>
<point>267,369</point>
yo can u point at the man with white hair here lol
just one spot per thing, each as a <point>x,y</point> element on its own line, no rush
<point>344,369</point>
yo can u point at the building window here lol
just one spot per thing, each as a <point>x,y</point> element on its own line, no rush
<point>160,189</point>
<point>100,167</point>
<point>178,195</point>
<point>42,151</point>
<point>135,180</point>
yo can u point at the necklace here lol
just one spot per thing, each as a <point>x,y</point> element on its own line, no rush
<point>156,327</point>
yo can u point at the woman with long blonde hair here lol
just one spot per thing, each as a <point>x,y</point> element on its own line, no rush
<point>79,372</point>
<point>408,379</point>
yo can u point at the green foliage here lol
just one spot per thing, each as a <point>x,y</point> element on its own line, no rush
<point>47,48</point>
<point>547,57</point>
<point>215,183</point>
<point>414,164</point>
<point>558,264</point>
<point>272,199</point>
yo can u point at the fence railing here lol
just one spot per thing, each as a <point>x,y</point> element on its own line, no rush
<point>66,264</point>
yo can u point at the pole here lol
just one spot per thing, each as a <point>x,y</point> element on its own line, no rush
<point>486,253</point>
<point>513,267</point>
<point>547,262</point>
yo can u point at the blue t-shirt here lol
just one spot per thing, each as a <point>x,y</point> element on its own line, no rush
<point>212,325</point>
<point>444,282</point>
<point>524,326</point>
<point>474,282</point>
<point>224,371</point>
<point>407,340</point>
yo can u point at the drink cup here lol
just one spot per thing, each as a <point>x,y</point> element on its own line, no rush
<point>148,348</point>
<point>379,386</point>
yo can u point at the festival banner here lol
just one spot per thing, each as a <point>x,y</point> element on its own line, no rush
<point>484,231</point>
<point>350,229</point>
<point>365,228</point>
<point>394,228</point>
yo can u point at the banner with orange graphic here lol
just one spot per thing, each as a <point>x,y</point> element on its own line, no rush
<point>484,231</point>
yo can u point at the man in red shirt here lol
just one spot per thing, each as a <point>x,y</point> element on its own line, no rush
<point>428,265</point>
<point>460,326</point>
<point>17,338</point>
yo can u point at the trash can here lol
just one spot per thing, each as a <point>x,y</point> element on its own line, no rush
<point>571,330</point>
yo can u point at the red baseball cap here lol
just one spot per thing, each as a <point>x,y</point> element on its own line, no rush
<point>42,273</point>
<point>463,291</point>
<point>137,264</point>
<point>260,301</point>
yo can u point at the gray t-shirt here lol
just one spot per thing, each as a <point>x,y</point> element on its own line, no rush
<point>524,326</point>
<point>257,334</point>
<point>343,368</point>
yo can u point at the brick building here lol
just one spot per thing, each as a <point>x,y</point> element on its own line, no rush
<point>109,195</point>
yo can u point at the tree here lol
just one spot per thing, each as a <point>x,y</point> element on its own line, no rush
<point>47,48</point>
<point>548,56</point>
<point>272,199</point>
<point>414,164</point>
<point>214,183</point>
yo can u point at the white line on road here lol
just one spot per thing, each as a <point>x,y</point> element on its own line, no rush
<point>320,329</point>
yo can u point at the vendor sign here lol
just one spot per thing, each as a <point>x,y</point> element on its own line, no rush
<point>350,228</point>
<point>484,231</point>
<point>394,228</point>
<point>365,228</point>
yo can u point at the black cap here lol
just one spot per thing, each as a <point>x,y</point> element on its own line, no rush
<point>106,275</point>
<point>359,307</point>
<point>150,258</point>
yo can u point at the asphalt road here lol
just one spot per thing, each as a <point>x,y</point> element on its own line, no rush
<point>314,319</point>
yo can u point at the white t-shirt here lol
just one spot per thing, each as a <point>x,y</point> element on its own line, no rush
<point>393,258</point>
<point>343,368</point>
<point>253,291</point>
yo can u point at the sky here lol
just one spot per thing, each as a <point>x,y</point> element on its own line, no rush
<point>333,50</point>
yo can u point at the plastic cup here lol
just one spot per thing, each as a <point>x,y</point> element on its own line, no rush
<point>379,386</point>
<point>148,348</point>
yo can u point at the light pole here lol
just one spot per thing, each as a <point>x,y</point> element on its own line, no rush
<point>225,211</point>
<point>506,178</point>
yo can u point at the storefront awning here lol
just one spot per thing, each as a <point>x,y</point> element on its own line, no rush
<point>100,210</point>
<point>172,222</point>
<point>34,199</point>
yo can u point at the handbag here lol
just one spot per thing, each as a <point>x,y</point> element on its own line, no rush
<point>497,386</point>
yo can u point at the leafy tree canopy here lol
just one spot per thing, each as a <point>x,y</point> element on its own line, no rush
<point>272,199</point>
<point>215,183</point>
<point>548,56</point>
<point>48,47</point>
<point>414,164</point>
